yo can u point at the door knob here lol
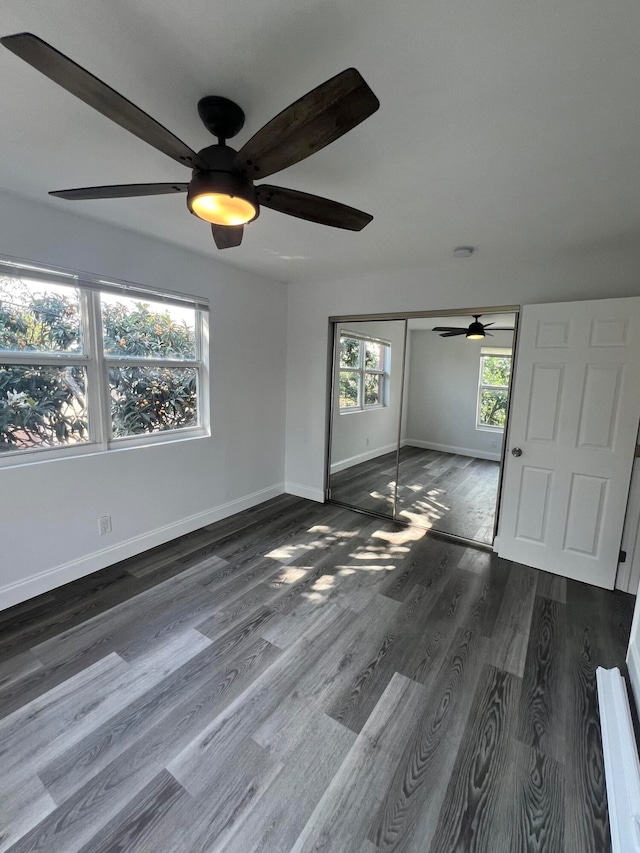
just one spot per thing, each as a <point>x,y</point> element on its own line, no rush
<point>516,451</point>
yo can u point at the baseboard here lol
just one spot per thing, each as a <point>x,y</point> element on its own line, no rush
<point>343,464</point>
<point>302,491</point>
<point>22,590</point>
<point>622,770</point>
<point>449,448</point>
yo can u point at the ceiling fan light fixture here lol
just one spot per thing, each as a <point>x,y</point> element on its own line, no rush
<point>222,198</point>
<point>475,332</point>
<point>221,209</point>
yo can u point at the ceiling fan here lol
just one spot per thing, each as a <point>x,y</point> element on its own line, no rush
<point>474,331</point>
<point>221,190</point>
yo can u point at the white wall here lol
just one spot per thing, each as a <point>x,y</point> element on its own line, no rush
<point>478,282</point>
<point>443,394</point>
<point>361,435</point>
<point>49,509</point>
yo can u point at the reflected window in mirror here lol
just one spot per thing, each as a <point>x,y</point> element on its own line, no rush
<point>364,373</point>
<point>493,388</point>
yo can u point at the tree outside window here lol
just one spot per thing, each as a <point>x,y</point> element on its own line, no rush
<point>364,365</point>
<point>493,393</point>
<point>51,380</point>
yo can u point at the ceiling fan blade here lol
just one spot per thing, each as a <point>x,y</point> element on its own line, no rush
<point>453,334</point>
<point>227,236</point>
<point>449,329</point>
<point>119,191</point>
<point>487,324</point>
<point>502,329</point>
<point>314,208</point>
<point>313,121</point>
<point>488,335</point>
<point>75,79</point>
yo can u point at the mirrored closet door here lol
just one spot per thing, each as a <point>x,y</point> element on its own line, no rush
<point>365,415</point>
<point>419,411</point>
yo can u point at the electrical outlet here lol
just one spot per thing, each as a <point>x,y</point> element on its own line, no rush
<point>494,442</point>
<point>367,443</point>
<point>104,525</point>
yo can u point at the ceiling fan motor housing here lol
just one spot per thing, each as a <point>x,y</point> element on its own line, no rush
<point>221,178</point>
<point>476,328</point>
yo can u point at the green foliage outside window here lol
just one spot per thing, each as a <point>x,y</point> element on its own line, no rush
<point>41,405</point>
<point>349,352</point>
<point>152,399</point>
<point>372,390</point>
<point>46,405</point>
<point>361,379</point>
<point>496,371</point>
<point>349,383</point>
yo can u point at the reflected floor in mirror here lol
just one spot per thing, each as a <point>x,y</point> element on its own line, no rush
<point>443,491</point>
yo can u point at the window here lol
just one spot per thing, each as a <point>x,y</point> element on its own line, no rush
<point>85,363</point>
<point>493,392</point>
<point>364,371</point>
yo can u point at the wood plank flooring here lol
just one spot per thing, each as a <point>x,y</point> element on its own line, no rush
<point>302,677</point>
<point>441,491</point>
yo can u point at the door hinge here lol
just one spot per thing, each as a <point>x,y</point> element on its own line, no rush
<point>622,557</point>
<point>637,453</point>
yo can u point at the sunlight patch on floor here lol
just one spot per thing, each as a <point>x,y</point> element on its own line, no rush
<point>379,497</point>
<point>372,567</point>
<point>324,582</point>
<point>417,518</point>
<point>290,575</point>
<point>288,552</point>
<point>314,596</point>
<point>370,555</point>
<point>399,537</point>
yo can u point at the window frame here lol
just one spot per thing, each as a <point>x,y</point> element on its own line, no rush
<point>96,364</point>
<point>361,371</point>
<point>492,352</point>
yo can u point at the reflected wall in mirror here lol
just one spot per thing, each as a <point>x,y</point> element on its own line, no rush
<point>367,385</point>
<point>455,407</point>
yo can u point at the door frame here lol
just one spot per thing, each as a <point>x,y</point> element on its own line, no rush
<point>332,355</point>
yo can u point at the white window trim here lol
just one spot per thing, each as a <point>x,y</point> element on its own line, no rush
<point>488,352</point>
<point>363,372</point>
<point>97,364</point>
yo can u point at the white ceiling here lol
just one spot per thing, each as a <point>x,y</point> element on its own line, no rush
<point>514,127</point>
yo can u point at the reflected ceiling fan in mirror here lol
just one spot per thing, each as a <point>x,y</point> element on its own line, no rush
<point>474,331</point>
<point>221,190</point>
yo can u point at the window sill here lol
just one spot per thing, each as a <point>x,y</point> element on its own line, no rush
<point>19,458</point>
<point>357,410</point>
<point>489,429</point>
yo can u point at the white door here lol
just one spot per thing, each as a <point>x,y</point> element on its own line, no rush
<point>574,417</point>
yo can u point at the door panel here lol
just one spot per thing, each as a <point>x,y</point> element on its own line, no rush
<point>575,412</point>
<point>600,410</point>
<point>544,406</point>
<point>535,486</point>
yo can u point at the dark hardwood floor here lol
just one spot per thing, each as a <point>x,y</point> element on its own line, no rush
<point>301,677</point>
<point>442,491</point>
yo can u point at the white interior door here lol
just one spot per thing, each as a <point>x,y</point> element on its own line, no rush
<point>574,415</point>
